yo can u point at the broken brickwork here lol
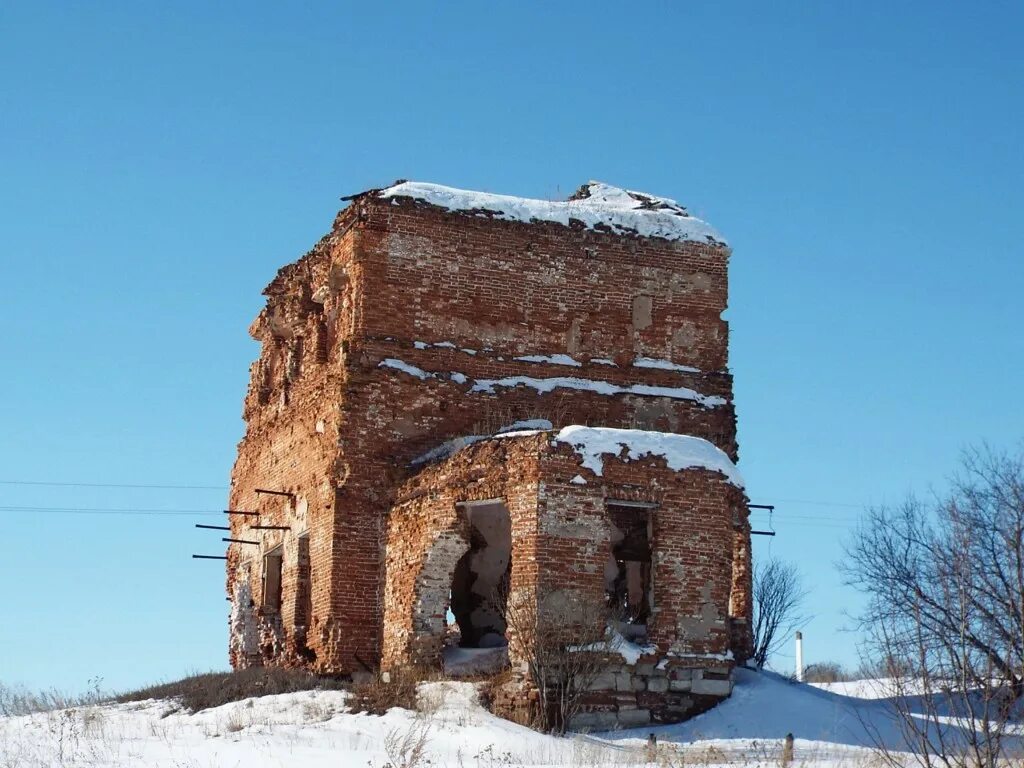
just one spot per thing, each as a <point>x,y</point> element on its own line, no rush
<point>430,318</point>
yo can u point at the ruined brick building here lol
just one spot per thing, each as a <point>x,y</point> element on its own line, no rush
<point>461,395</point>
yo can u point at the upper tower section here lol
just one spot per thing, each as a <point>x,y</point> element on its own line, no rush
<point>437,312</point>
<point>607,274</point>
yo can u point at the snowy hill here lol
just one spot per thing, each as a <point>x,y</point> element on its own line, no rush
<point>312,729</point>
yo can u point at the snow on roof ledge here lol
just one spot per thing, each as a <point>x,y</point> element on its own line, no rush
<point>596,205</point>
<point>679,451</point>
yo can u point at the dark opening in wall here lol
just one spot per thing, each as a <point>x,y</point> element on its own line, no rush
<point>480,581</point>
<point>628,574</point>
<point>272,580</point>
<point>303,596</point>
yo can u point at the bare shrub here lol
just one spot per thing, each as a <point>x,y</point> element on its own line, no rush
<point>397,688</point>
<point>234,723</point>
<point>561,639</point>
<point>945,616</point>
<point>17,700</point>
<point>826,672</point>
<point>778,597</point>
<point>408,748</point>
<point>317,711</point>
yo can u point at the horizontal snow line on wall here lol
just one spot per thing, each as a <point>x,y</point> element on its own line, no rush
<point>544,385</point>
<point>555,358</point>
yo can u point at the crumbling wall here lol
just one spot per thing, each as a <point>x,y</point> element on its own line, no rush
<point>292,414</point>
<point>543,288</point>
<point>563,537</point>
<point>695,517</point>
<point>606,324</point>
<point>243,632</point>
<point>428,532</point>
<point>408,326</point>
<point>424,544</point>
<point>741,601</point>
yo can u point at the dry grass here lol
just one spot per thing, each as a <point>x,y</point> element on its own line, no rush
<point>387,690</point>
<point>213,689</point>
<point>407,748</point>
<point>16,701</point>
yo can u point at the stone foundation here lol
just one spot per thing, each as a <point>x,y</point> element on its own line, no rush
<point>652,691</point>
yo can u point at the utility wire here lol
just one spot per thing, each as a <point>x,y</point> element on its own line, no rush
<point>822,503</point>
<point>171,486</point>
<point>116,485</point>
<point>804,519</point>
<point>108,511</point>
<point>811,522</point>
<point>837,520</point>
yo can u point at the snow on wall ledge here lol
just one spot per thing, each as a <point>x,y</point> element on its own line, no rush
<point>551,383</point>
<point>679,451</point>
<point>596,205</point>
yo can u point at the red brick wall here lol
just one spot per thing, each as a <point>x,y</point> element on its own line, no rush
<point>325,422</point>
<point>542,287</point>
<point>561,544</point>
<point>292,411</point>
<point>427,532</point>
<point>565,524</point>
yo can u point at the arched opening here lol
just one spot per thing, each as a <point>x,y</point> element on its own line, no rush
<point>479,587</point>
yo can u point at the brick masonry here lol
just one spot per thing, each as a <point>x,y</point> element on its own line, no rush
<point>377,346</point>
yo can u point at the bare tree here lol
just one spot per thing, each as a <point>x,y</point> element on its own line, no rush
<point>945,611</point>
<point>778,599</point>
<point>562,641</point>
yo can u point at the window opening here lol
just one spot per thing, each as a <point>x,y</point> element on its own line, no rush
<point>272,562</point>
<point>628,574</point>
<point>480,581</point>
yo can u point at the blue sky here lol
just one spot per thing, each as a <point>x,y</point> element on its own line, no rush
<point>160,161</point>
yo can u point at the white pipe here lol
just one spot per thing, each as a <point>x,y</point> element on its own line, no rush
<point>800,657</point>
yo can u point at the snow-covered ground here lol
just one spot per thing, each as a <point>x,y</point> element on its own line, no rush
<point>312,729</point>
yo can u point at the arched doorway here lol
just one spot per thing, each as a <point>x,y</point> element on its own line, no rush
<point>479,586</point>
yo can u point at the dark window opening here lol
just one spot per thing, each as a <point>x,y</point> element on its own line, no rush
<point>272,580</point>
<point>628,574</point>
<point>303,598</point>
<point>323,343</point>
<point>293,367</point>
<point>481,578</point>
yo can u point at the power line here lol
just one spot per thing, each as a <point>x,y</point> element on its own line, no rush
<point>171,486</point>
<point>817,521</point>
<point>108,511</point>
<point>116,485</point>
<point>822,503</point>
<point>825,518</point>
<point>804,522</point>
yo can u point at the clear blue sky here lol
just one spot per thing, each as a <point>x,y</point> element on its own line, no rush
<point>160,161</point>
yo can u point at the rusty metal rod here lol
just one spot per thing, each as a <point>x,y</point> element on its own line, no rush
<point>241,541</point>
<point>270,527</point>
<point>210,557</point>
<point>240,512</point>
<point>276,493</point>
<point>214,527</point>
